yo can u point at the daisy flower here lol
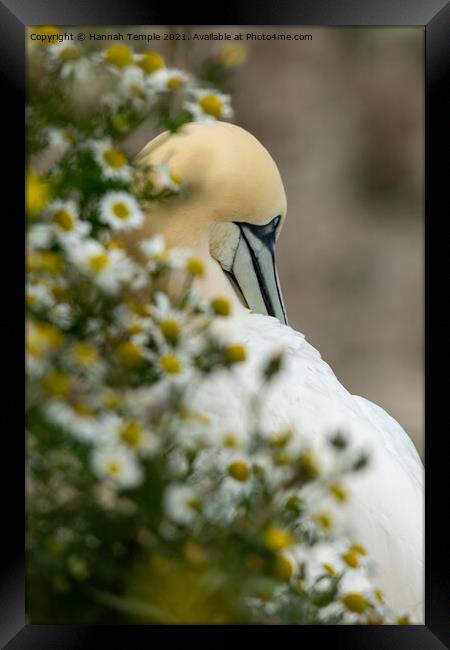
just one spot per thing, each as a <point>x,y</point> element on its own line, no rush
<point>132,435</point>
<point>38,295</point>
<point>136,325</point>
<point>78,420</point>
<point>167,79</point>
<point>209,106</point>
<point>65,51</point>
<point>42,340</point>
<point>86,358</point>
<point>154,246</point>
<point>109,268</point>
<point>73,63</point>
<point>169,321</point>
<point>120,210</point>
<point>182,503</point>
<point>61,314</point>
<point>112,101</point>
<point>61,139</point>
<point>118,466</point>
<point>37,193</point>
<point>160,254</point>
<point>149,61</point>
<point>66,223</point>
<point>132,84</point>
<point>111,160</point>
<point>118,55</point>
<point>39,236</point>
<point>166,179</point>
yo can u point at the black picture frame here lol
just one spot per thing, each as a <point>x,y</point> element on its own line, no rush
<point>434,16</point>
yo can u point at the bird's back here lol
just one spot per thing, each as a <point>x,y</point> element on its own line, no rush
<point>385,511</point>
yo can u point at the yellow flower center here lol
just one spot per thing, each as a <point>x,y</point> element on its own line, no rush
<point>284,568</point>
<point>211,105</point>
<point>111,401</point>
<point>170,330</point>
<point>221,306</point>
<point>139,308</point>
<point>403,620</point>
<point>294,503</point>
<point>45,261</point>
<point>64,220</point>
<point>60,292</point>
<point>30,299</point>
<point>98,262</point>
<point>115,158</point>
<point>170,364</point>
<point>150,62</point>
<point>113,468</point>
<point>235,353</point>
<point>51,262</point>
<point>37,194</point>
<point>82,410</point>
<point>119,55</point>
<point>70,54</point>
<point>42,337</point>
<point>85,353</point>
<point>194,504</point>
<point>56,384</point>
<point>355,603</point>
<point>277,539</point>
<point>357,548</point>
<point>69,137</point>
<point>114,243</point>
<point>239,470</point>
<point>309,469</point>
<point>135,328</point>
<point>324,520</point>
<point>137,90</point>
<point>187,414</point>
<point>175,82</point>
<point>49,31</point>
<point>130,354</point>
<point>230,440</point>
<point>379,595</point>
<point>176,179</point>
<point>329,568</point>
<point>121,210</point>
<point>195,267</point>
<point>280,440</point>
<point>351,559</point>
<point>232,55</point>
<point>338,492</point>
<point>131,434</point>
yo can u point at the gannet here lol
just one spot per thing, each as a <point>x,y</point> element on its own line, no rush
<point>231,215</point>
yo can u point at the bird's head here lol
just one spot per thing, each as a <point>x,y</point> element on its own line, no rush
<point>232,208</point>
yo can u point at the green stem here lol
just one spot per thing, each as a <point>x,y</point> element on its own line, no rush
<point>132,606</point>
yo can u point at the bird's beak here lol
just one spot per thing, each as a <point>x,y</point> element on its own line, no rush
<point>253,272</point>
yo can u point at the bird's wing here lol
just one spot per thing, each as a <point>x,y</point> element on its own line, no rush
<point>385,511</point>
<point>395,439</point>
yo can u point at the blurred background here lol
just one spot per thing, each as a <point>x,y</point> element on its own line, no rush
<point>342,115</point>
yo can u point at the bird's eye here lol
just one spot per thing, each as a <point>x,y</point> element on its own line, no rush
<point>263,236</point>
<point>262,231</point>
<point>276,221</point>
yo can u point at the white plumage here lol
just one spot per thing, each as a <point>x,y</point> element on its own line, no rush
<point>385,509</point>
